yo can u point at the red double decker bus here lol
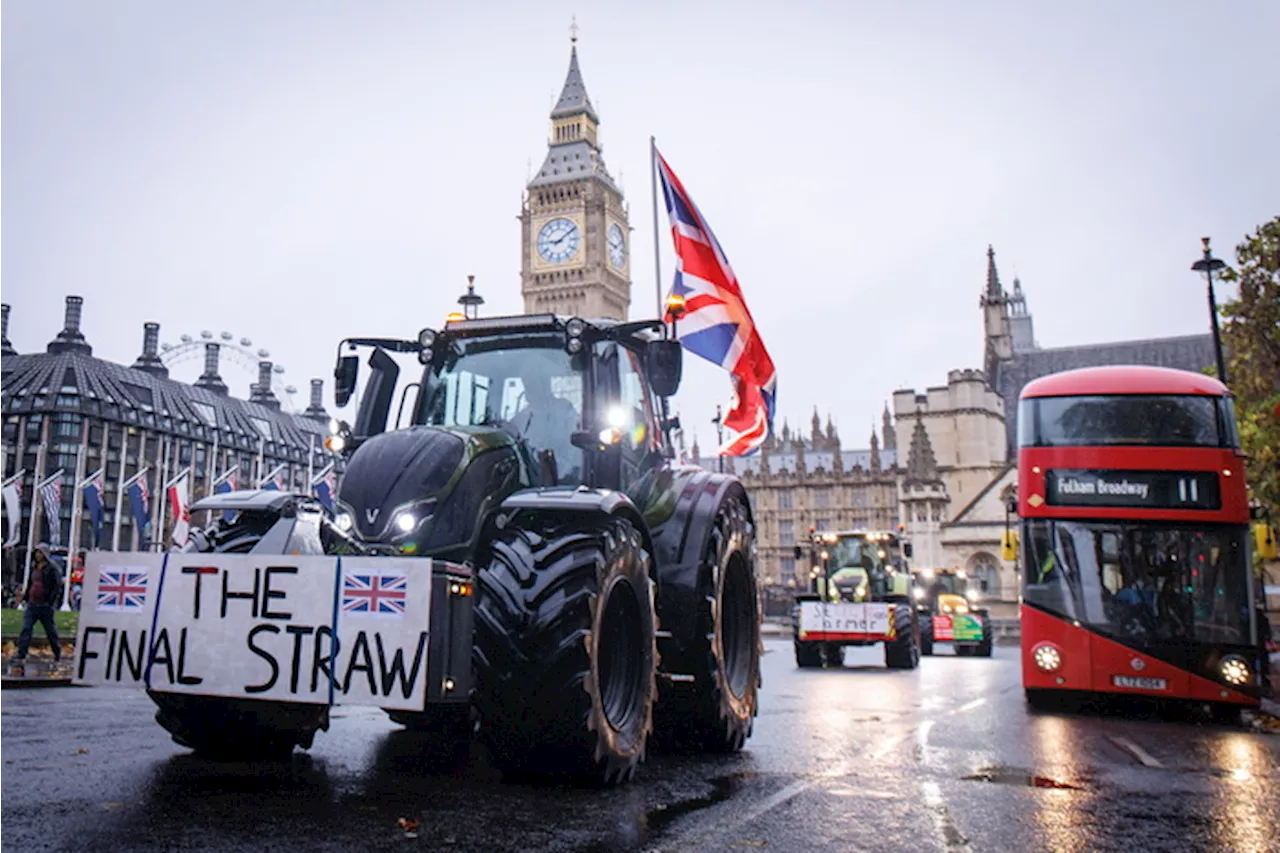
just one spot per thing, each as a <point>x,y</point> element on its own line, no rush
<point>1136,554</point>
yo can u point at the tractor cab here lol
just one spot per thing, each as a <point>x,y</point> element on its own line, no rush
<point>944,590</point>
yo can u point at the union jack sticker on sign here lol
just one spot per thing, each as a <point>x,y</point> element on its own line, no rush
<point>380,594</point>
<point>122,590</point>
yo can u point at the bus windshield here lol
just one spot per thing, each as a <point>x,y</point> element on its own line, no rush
<point>1138,419</point>
<point>1142,583</point>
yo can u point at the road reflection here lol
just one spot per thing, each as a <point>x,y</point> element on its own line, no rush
<point>1244,807</point>
<point>1061,814</point>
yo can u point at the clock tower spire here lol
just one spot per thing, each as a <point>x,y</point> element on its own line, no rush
<point>576,242</point>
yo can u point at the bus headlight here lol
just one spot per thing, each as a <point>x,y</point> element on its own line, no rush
<point>1047,657</point>
<point>1235,670</point>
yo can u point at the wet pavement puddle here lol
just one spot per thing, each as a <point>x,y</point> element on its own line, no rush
<point>1018,776</point>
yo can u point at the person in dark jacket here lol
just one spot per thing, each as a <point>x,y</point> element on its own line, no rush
<point>42,597</point>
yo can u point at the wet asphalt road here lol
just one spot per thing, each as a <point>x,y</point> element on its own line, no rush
<point>946,758</point>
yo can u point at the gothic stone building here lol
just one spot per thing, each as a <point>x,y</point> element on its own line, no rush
<point>575,236</point>
<point>134,418</point>
<point>798,481</point>
<point>1012,357</point>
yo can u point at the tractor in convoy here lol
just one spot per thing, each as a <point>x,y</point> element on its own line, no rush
<point>860,595</point>
<point>945,604</point>
<point>589,597</point>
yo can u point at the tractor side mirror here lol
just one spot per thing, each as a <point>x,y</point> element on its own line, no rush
<point>663,362</point>
<point>906,550</point>
<point>375,405</point>
<point>344,379</point>
<point>799,553</point>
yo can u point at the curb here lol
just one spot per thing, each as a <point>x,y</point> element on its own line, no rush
<point>19,683</point>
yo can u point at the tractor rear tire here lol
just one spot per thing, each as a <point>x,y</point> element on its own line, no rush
<point>717,711</point>
<point>926,635</point>
<point>238,729</point>
<point>983,649</point>
<point>902,652</point>
<point>808,655</point>
<point>565,650</point>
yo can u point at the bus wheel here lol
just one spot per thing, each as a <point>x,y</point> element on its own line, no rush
<point>1043,700</point>
<point>1224,714</point>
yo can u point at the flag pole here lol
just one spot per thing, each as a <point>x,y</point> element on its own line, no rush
<point>36,500</point>
<point>115,521</point>
<point>73,537</point>
<point>657,253</point>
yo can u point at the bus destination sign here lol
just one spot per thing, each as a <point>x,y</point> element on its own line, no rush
<point>1139,489</point>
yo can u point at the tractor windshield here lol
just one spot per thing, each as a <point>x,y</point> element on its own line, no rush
<point>527,385</point>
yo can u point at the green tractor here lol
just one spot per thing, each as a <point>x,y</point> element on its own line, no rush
<point>947,611</point>
<point>594,596</point>
<point>860,595</point>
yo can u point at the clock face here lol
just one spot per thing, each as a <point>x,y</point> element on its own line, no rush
<point>617,247</point>
<point>558,240</point>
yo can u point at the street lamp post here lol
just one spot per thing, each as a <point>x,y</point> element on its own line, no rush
<point>1209,265</point>
<point>718,421</point>
<point>471,301</point>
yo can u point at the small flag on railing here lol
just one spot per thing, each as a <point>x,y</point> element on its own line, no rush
<point>179,490</point>
<point>325,485</point>
<point>12,493</point>
<point>92,490</point>
<point>274,482</point>
<point>222,485</point>
<point>51,494</point>
<point>140,502</point>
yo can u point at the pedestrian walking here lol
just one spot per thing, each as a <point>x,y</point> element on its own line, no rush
<point>42,597</point>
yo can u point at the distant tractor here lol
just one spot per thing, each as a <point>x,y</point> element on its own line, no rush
<point>946,612</point>
<point>860,596</point>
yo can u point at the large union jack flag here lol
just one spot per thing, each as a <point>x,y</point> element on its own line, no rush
<point>717,325</point>
<point>122,590</point>
<point>374,593</point>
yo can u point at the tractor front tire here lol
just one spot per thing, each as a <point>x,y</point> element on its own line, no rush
<point>717,711</point>
<point>238,729</point>
<point>926,635</point>
<point>565,650</point>
<point>808,655</point>
<point>902,652</point>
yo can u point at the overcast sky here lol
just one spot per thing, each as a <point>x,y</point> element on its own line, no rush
<point>297,172</point>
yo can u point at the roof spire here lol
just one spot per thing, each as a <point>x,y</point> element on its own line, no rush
<point>573,30</point>
<point>573,96</point>
<point>922,465</point>
<point>994,290</point>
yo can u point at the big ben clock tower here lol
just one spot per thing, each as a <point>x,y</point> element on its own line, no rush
<point>576,258</point>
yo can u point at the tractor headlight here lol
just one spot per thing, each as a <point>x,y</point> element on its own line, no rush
<point>918,593</point>
<point>335,426</point>
<point>926,573</point>
<point>406,521</point>
<point>575,327</point>
<point>1047,657</point>
<point>426,337</point>
<point>616,417</point>
<point>1235,670</point>
<point>972,595</point>
<point>343,522</point>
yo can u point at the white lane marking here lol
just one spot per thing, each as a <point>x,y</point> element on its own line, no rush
<point>922,733</point>
<point>948,833</point>
<point>967,706</point>
<point>1136,751</point>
